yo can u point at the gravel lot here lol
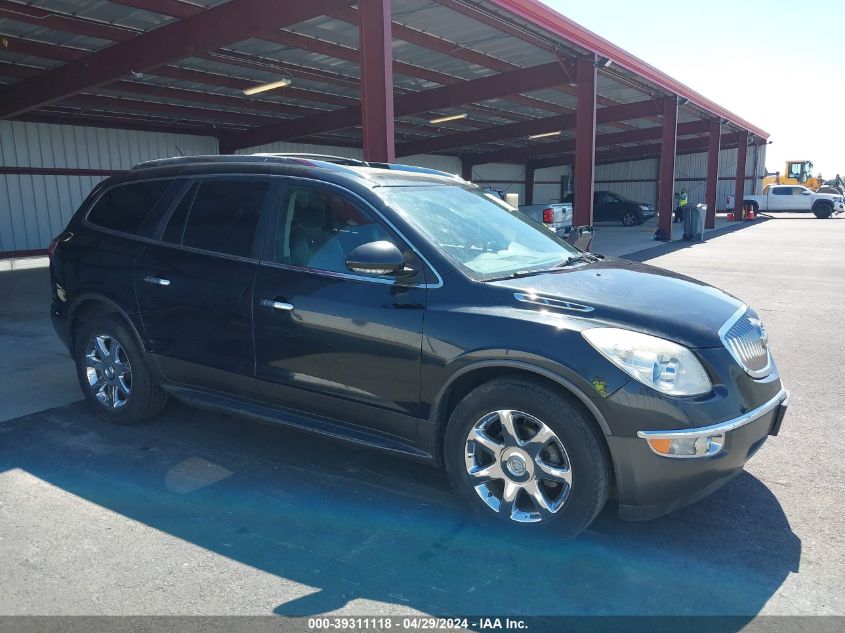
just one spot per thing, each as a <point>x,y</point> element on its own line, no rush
<point>195,513</point>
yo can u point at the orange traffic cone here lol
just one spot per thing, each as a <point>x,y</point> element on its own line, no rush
<point>730,217</point>
<point>750,216</point>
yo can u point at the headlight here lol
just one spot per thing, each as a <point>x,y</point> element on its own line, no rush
<point>645,207</point>
<point>668,367</point>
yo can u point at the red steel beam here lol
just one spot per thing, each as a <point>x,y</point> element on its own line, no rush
<point>127,105</point>
<point>529,184</point>
<point>608,114</point>
<point>585,141</point>
<point>197,98</point>
<point>222,25</point>
<point>237,83</point>
<point>413,103</point>
<point>533,150</point>
<point>377,117</point>
<point>60,22</point>
<point>713,150</point>
<point>172,8</point>
<point>67,53</point>
<point>639,152</point>
<point>115,122</point>
<point>741,160</point>
<point>666,185</point>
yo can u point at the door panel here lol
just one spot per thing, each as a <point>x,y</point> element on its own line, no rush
<point>194,288</point>
<point>196,310</point>
<point>329,342</point>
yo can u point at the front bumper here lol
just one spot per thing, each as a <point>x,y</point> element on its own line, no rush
<point>649,484</point>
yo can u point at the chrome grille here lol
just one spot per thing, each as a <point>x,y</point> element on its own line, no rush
<point>745,338</point>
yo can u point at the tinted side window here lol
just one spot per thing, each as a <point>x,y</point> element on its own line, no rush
<point>125,207</point>
<point>318,229</point>
<point>223,215</point>
<point>782,191</point>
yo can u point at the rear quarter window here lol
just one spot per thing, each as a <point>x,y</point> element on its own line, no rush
<point>125,207</point>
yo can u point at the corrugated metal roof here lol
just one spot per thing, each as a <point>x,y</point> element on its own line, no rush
<point>467,40</point>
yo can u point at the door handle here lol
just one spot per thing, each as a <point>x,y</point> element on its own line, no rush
<point>279,306</point>
<point>158,281</point>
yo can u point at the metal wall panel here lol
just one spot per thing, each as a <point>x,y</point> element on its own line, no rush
<point>638,179</point>
<point>36,207</point>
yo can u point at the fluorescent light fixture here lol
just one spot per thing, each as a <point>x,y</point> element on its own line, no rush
<point>265,87</point>
<point>451,117</point>
<point>603,62</point>
<point>544,135</point>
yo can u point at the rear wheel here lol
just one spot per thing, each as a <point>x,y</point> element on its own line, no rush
<point>112,373</point>
<point>522,454</point>
<point>630,218</point>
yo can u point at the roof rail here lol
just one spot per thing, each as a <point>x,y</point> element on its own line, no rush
<point>289,159</point>
<point>354,162</point>
<point>326,158</point>
<point>306,159</point>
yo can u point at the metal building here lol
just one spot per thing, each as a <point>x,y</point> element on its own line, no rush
<point>506,92</point>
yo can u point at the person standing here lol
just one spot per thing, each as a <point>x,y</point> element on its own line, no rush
<point>680,202</point>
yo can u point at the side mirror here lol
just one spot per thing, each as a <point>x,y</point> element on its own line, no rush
<point>806,193</point>
<point>376,258</point>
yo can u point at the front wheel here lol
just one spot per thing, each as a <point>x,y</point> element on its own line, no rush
<point>112,374</point>
<point>522,453</point>
<point>630,218</point>
<point>823,211</point>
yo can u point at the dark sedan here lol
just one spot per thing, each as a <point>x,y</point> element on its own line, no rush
<point>612,207</point>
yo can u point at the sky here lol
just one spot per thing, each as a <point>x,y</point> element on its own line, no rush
<point>779,65</point>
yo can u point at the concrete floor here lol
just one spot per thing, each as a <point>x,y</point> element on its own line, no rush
<point>614,239</point>
<point>36,371</point>
<point>195,513</point>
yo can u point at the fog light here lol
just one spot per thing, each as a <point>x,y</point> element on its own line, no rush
<point>686,446</point>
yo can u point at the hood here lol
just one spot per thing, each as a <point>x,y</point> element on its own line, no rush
<point>637,297</point>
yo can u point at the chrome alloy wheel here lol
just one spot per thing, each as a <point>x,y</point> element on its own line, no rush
<point>518,466</point>
<point>108,371</point>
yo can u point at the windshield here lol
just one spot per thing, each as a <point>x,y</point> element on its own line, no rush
<point>485,238</point>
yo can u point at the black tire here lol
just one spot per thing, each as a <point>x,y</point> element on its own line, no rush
<point>630,218</point>
<point>584,448</point>
<point>144,398</point>
<point>823,210</point>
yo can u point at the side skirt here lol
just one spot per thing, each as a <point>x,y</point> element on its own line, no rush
<point>325,427</point>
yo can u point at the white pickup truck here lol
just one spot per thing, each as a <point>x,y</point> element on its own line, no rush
<point>557,216</point>
<point>794,198</point>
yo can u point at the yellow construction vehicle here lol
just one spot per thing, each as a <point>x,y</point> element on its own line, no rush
<point>796,172</point>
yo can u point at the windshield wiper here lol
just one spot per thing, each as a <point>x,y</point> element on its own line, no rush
<point>572,259</point>
<point>533,271</point>
<point>580,257</point>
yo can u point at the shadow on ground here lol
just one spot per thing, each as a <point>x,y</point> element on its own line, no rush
<point>358,524</point>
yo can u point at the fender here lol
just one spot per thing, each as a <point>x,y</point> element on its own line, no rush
<point>114,305</point>
<point>523,366</point>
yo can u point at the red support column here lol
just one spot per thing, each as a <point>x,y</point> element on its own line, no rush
<point>666,185</point>
<point>713,148</point>
<point>529,184</point>
<point>741,159</point>
<point>376,42</point>
<point>466,170</point>
<point>585,141</point>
